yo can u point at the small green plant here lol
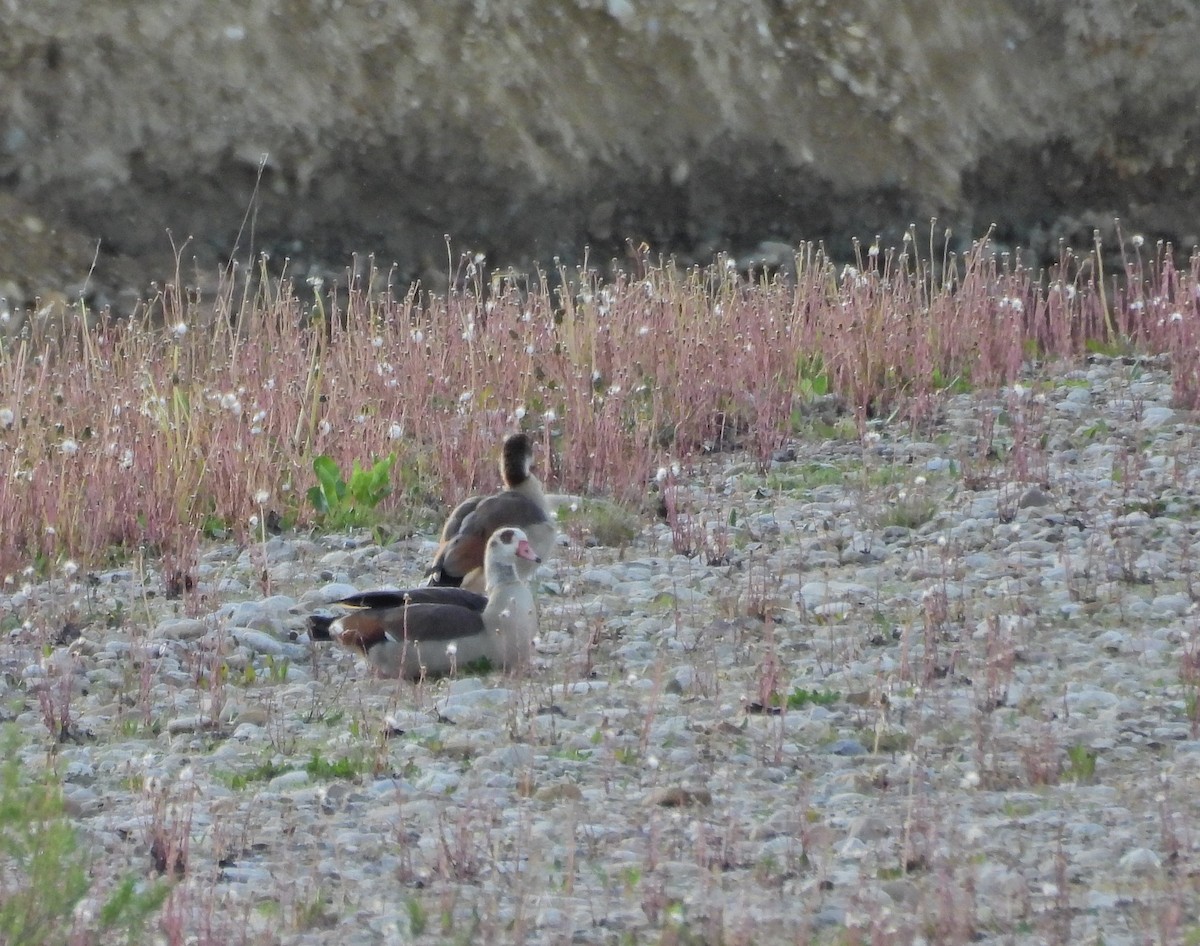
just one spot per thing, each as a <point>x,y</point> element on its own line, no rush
<point>812,380</point>
<point>801,697</point>
<point>476,668</point>
<point>318,767</point>
<point>342,504</point>
<point>277,670</point>
<point>417,918</point>
<point>911,511</point>
<point>627,755</point>
<point>43,873</point>
<point>1081,764</point>
<point>607,523</point>
<point>314,914</point>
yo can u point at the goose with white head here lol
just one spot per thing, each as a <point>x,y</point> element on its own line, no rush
<point>437,631</point>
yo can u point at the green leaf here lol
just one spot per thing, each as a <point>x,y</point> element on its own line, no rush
<point>316,498</point>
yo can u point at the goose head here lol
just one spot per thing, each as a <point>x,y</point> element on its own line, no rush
<point>507,552</point>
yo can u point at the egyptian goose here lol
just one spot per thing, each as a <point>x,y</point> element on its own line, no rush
<point>459,559</point>
<point>435,631</point>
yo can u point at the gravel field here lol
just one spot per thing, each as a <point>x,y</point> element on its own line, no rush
<point>926,688</point>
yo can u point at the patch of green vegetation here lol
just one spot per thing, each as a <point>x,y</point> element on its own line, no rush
<point>314,914</point>
<point>479,667</point>
<point>812,380</point>
<point>321,768</point>
<point>1095,431</point>
<point>1109,349</point>
<point>343,504</point>
<point>213,526</point>
<point>1081,764</point>
<point>317,767</point>
<point>46,875</point>
<point>1018,809</point>
<point>663,603</point>
<point>801,697</point>
<point>958,384</point>
<point>132,728</point>
<point>1154,508</point>
<point>277,669</point>
<point>418,920</point>
<point>892,741</point>
<point>609,524</point>
<point>1191,936</point>
<point>802,478</point>
<point>910,511</point>
<point>263,772</point>
<point>887,476</point>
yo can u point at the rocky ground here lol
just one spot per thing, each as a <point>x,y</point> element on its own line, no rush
<point>982,636</point>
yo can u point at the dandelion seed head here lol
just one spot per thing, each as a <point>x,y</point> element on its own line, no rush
<point>262,497</point>
<point>7,417</point>
<point>69,447</point>
<point>451,649</point>
<point>396,432</point>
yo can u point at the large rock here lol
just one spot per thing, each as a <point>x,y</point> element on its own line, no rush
<point>529,129</point>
